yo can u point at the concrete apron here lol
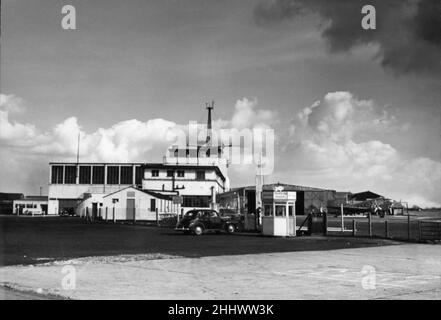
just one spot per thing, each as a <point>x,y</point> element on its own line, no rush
<point>408,271</point>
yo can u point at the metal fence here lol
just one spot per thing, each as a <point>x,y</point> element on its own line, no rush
<point>405,228</point>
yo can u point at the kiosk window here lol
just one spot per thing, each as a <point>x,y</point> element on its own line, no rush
<point>268,210</point>
<point>280,211</point>
<point>291,210</point>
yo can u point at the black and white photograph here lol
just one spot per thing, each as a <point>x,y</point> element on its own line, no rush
<point>220,156</point>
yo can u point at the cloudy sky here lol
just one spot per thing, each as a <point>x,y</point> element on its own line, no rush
<point>351,109</point>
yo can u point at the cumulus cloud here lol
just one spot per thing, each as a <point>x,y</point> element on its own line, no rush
<point>328,150</point>
<point>126,141</point>
<point>408,35</point>
<point>13,132</point>
<point>246,115</point>
<point>329,144</point>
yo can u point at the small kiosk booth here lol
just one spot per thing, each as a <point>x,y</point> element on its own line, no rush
<point>279,216</point>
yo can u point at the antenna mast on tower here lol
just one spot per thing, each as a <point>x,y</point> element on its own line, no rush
<point>209,106</point>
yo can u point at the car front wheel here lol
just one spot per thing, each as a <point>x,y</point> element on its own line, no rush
<point>231,228</point>
<point>198,230</point>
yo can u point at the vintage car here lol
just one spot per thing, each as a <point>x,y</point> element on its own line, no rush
<point>199,221</point>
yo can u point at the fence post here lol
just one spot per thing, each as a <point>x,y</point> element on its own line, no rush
<point>310,224</point>
<point>157,217</point>
<point>354,228</point>
<point>325,223</point>
<point>114,218</point>
<point>134,215</point>
<point>408,226</point>
<point>106,214</point>
<point>386,229</point>
<point>87,214</point>
<point>342,218</point>
<point>419,230</point>
<point>370,224</point>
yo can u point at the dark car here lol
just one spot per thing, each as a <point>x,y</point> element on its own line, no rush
<point>200,221</point>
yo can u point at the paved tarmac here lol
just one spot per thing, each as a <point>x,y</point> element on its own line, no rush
<point>410,271</point>
<point>25,240</point>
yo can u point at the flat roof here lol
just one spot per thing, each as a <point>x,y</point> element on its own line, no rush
<point>270,187</point>
<point>183,166</point>
<point>97,163</point>
<point>34,198</point>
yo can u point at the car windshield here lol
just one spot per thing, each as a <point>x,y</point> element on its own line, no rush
<point>191,214</point>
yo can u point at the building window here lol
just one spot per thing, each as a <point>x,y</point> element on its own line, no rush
<point>152,204</point>
<point>97,175</point>
<point>155,173</point>
<point>57,174</point>
<point>126,175</point>
<point>70,174</point>
<point>280,211</point>
<point>138,175</point>
<point>113,175</point>
<point>200,175</point>
<point>196,201</point>
<point>85,174</point>
<point>181,173</point>
<point>268,210</point>
<point>169,173</point>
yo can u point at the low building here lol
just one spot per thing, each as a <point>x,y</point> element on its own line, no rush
<point>242,200</point>
<point>129,203</point>
<point>69,182</point>
<point>7,201</point>
<point>31,205</point>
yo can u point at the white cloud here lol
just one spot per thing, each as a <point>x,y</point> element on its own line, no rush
<point>125,141</point>
<point>327,151</point>
<point>13,132</point>
<point>330,145</point>
<point>246,115</point>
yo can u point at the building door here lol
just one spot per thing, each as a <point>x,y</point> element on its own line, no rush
<point>291,219</point>
<point>44,208</point>
<point>130,209</point>
<point>94,210</point>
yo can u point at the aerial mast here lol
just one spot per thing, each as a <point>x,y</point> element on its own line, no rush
<point>209,106</point>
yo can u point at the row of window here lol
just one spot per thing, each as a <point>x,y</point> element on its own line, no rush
<point>95,175</point>
<point>27,206</point>
<point>200,174</point>
<point>280,210</point>
<point>196,201</point>
<point>115,174</point>
<point>196,153</point>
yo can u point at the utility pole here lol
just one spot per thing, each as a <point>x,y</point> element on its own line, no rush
<point>259,187</point>
<point>78,160</point>
<point>209,106</point>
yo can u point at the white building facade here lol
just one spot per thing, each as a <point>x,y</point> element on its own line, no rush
<point>69,182</point>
